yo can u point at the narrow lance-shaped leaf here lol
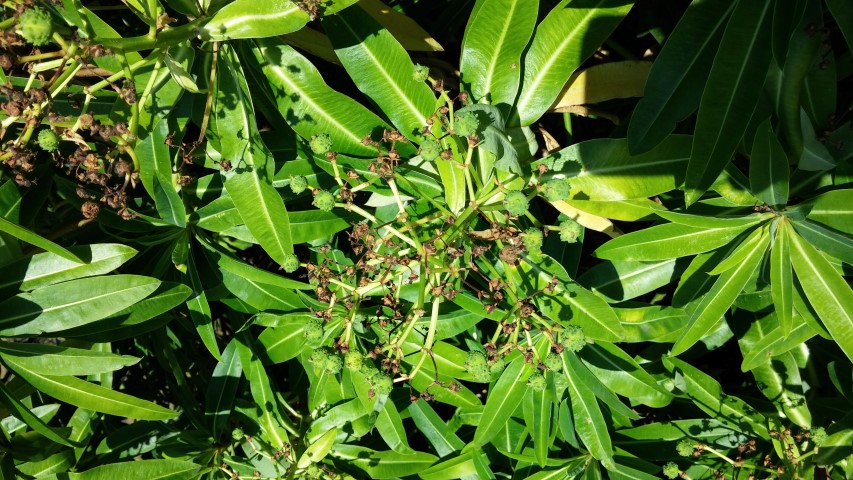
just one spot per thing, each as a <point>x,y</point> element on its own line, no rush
<point>829,294</point>
<point>199,307</point>
<point>155,171</point>
<point>60,360</point>
<point>728,286</point>
<point>729,99</point>
<point>708,395</point>
<point>26,415</point>
<point>781,277</point>
<point>496,35</point>
<point>222,389</point>
<point>255,19</point>
<point>567,36</point>
<point>663,242</point>
<point>504,398</point>
<point>678,74</point>
<point>538,409</point>
<point>250,183</point>
<point>588,419</point>
<point>270,419</point>
<point>135,470</point>
<point>71,304</point>
<point>90,396</point>
<point>834,243</point>
<point>842,10</point>
<point>47,268</point>
<point>603,169</point>
<point>309,105</point>
<point>768,167</point>
<point>35,239</point>
<point>381,69</point>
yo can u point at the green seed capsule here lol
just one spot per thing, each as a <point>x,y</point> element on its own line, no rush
<point>291,263</point>
<point>298,184</point>
<point>573,338</point>
<point>515,203</point>
<point>36,26</point>
<point>466,124</point>
<point>420,73</point>
<point>48,140</point>
<point>570,231</point>
<point>537,382</point>
<point>430,149</point>
<point>324,200</point>
<point>556,190</point>
<point>321,143</point>
<point>532,240</point>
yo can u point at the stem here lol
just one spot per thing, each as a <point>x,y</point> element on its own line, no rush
<point>368,216</point>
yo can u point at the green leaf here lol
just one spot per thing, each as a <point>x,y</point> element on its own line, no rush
<point>707,394</point>
<point>389,424</point>
<point>90,396</point>
<point>780,381</point>
<point>832,242</point>
<point>652,324</point>
<point>664,242</point>
<point>318,450</point>
<point>199,307</point>
<point>47,268</point>
<point>226,262</point>
<point>588,419</point>
<point>309,105</point>
<point>538,411</point>
<point>136,470</point>
<point>562,41</point>
<point>222,389</point>
<point>768,167</point>
<point>624,280</point>
<point>603,169</point>
<point>381,69</point>
<point>623,375</point>
<point>59,360</point>
<point>833,210</point>
<point>829,294</point>
<point>269,418</point>
<point>36,240</point>
<point>678,74</point>
<point>250,184</point>
<point>503,400</point>
<point>461,466</point>
<point>70,304</point>
<point>155,171</point>
<point>495,37</point>
<point>727,287</point>
<point>383,465</point>
<point>283,342</point>
<point>26,415</point>
<point>843,13</point>
<point>568,301</point>
<point>254,19</point>
<point>728,101</point>
<point>434,429</point>
<point>782,278</point>
<point>656,441</point>
<point>775,342</point>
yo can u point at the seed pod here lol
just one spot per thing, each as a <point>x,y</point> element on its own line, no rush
<point>48,140</point>
<point>466,123</point>
<point>537,382</point>
<point>570,231</point>
<point>556,190</point>
<point>298,184</point>
<point>515,203</point>
<point>324,200</point>
<point>321,144</point>
<point>36,26</point>
<point>430,149</point>
<point>291,263</point>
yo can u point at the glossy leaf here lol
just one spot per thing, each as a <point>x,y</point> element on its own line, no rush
<point>222,390</point>
<point>538,411</point>
<point>603,169</point>
<point>678,74</point>
<point>828,293</point>
<point>728,101</point>
<point>309,105</point>
<point>253,19</point>
<point>430,424</point>
<point>832,242</point>
<point>707,394</point>
<point>249,185</point>
<point>90,396</point>
<point>664,242</point>
<point>44,269</point>
<point>768,167</point>
<point>384,465</point>
<point>782,278</point>
<point>563,40</point>
<point>381,69</point>
<point>495,37</point>
<point>59,360</point>
<point>136,470</point>
<point>71,304</point>
<point>588,419</point>
<point>832,209</point>
<point>728,285</point>
<point>623,375</point>
<point>781,382</point>
<point>28,417</point>
<point>624,280</point>
<point>155,171</point>
<point>505,397</point>
<point>269,416</point>
<point>37,240</point>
